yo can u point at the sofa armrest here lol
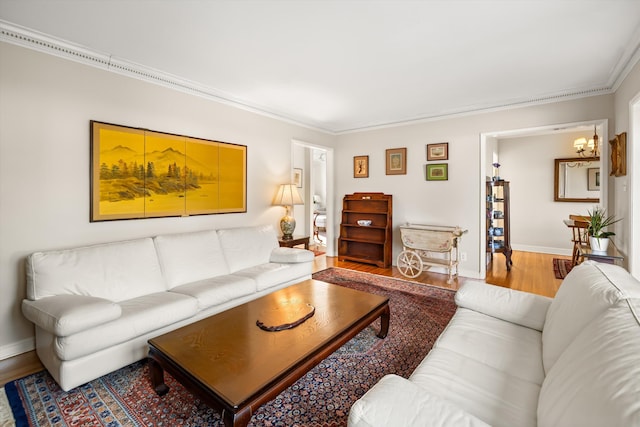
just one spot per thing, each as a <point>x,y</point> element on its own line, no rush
<point>290,255</point>
<point>518,307</point>
<point>64,315</point>
<point>395,401</point>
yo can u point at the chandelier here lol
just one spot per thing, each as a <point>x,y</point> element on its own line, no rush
<point>587,148</point>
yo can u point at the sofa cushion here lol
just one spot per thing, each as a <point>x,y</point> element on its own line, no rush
<point>507,347</point>
<point>139,316</point>
<point>247,246</point>
<point>596,380</point>
<point>507,304</point>
<point>272,274</point>
<point>492,395</point>
<point>394,401</point>
<point>67,314</point>
<point>290,255</point>
<point>588,290</point>
<point>217,290</point>
<point>114,271</point>
<point>189,257</point>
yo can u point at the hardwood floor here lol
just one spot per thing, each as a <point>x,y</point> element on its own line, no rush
<point>531,272</point>
<point>19,366</point>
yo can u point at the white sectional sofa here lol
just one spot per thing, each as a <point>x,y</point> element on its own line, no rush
<point>514,359</point>
<point>95,307</point>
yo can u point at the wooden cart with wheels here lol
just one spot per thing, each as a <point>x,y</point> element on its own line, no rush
<point>426,246</point>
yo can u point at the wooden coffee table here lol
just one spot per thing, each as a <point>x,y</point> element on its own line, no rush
<point>235,366</point>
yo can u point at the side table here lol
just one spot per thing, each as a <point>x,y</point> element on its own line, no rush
<point>297,240</point>
<point>611,256</point>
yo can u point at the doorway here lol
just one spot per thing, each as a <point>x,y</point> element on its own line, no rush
<point>316,220</point>
<point>536,220</point>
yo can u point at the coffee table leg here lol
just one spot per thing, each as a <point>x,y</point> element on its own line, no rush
<point>239,419</point>
<point>384,322</point>
<point>157,377</point>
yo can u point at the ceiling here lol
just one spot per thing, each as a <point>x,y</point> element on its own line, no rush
<point>341,66</point>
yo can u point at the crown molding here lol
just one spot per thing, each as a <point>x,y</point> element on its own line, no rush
<point>482,109</point>
<point>24,37</point>
<point>35,40</point>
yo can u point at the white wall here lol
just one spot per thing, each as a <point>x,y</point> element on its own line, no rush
<point>491,148</point>
<point>45,107</point>
<point>319,178</point>
<point>624,192</point>
<point>536,219</point>
<point>456,201</point>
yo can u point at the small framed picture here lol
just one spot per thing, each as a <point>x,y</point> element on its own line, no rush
<point>397,161</point>
<point>297,177</point>
<point>593,179</point>
<point>438,151</point>
<point>438,172</point>
<point>361,166</point>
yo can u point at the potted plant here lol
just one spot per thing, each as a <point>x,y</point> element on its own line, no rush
<point>598,222</point>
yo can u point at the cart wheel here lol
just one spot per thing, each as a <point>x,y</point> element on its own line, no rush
<point>409,264</point>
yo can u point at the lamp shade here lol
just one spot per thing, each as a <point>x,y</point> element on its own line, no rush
<point>287,195</point>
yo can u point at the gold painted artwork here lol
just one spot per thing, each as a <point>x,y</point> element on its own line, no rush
<point>138,173</point>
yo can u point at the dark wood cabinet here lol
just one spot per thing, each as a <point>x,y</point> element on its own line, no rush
<point>498,221</point>
<point>361,242</point>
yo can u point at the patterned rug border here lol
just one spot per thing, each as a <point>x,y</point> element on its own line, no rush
<point>15,406</point>
<point>6,413</point>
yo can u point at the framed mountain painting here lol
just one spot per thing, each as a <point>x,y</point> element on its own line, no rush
<point>139,173</point>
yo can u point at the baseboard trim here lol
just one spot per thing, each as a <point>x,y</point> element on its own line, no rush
<point>543,249</point>
<point>16,348</point>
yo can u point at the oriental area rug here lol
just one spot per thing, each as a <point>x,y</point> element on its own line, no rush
<point>322,398</point>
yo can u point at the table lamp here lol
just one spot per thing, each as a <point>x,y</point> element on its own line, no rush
<point>287,196</point>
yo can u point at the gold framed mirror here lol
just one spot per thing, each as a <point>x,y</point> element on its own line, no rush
<point>577,179</point>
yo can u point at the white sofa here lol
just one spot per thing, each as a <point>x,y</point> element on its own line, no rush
<point>514,359</point>
<point>95,307</point>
